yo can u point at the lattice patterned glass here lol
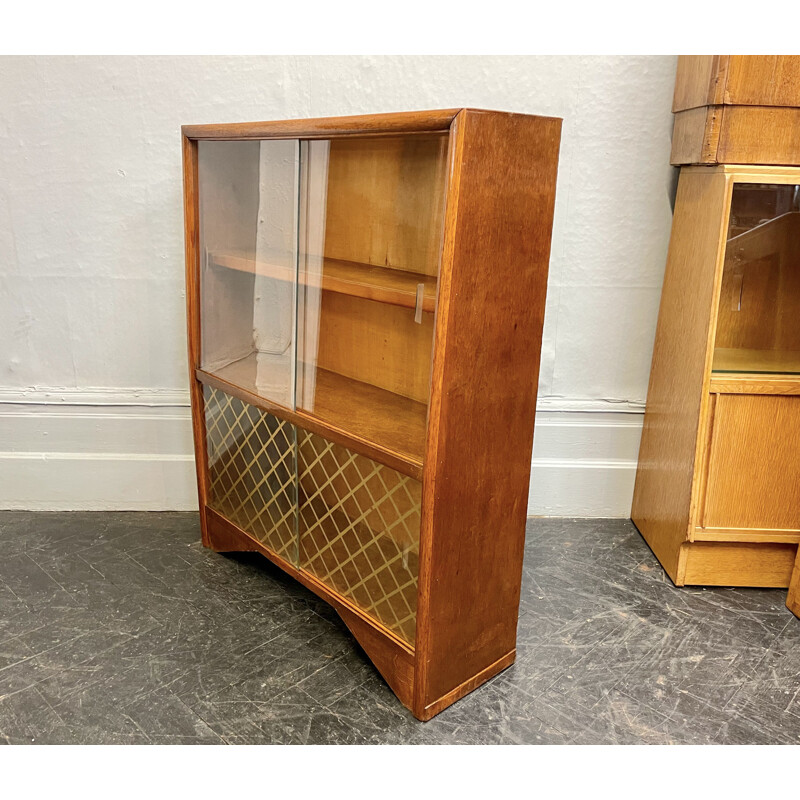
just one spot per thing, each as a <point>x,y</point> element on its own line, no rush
<point>252,466</point>
<point>359,530</point>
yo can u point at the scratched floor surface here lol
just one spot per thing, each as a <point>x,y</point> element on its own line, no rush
<point>121,628</point>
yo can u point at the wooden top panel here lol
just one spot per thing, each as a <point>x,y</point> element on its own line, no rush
<point>322,127</point>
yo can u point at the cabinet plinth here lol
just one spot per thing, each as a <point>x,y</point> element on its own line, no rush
<point>365,305</point>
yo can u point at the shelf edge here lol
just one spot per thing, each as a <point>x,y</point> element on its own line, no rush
<point>404,464</point>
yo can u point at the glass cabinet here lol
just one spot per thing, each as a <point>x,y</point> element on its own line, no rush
<point>357,290</point>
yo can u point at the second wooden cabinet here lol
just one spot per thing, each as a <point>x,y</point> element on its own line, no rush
<point>717,491</point>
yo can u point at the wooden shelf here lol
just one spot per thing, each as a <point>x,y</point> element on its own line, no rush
<point>387,423</point>
<point>382,284</point>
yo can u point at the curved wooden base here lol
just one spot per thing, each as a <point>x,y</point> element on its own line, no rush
<point>393,658</point>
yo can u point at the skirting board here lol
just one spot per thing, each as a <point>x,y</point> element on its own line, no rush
<point>118,449</point>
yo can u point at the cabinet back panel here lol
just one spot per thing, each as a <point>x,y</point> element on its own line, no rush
<point>385,201</point>
<point>377,344</point>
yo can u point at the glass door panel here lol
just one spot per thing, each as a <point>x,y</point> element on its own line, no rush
<point>359,525</point>
<point>252,471</point>
<point>757,324</point>
<point>371,215</point>
<point>248,194</point>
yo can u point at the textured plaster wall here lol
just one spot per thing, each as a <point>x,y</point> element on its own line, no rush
<point>91,262</point>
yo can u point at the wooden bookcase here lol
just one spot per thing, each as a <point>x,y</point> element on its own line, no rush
<point>365,304</point>
<point>717,493</point>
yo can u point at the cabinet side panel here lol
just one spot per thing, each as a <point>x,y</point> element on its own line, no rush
<point>662,499</point>
<point>191,241</point>
<point>493,282</point>
<point>699,81</point>
<point>695,136</point>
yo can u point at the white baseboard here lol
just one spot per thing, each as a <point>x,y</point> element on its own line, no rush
<point>131,449</point>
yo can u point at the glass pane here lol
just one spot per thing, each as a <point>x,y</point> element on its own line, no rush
<point>248,239</point>
<point>371,213</point>
<point>252,471</point>
<point>359,530</point>
<point>757,325</point>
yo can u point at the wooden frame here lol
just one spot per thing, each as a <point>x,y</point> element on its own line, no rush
<point>500,189</point>
<point>677,467</point>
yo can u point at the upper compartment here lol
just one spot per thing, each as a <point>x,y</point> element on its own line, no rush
<point>319,265</point>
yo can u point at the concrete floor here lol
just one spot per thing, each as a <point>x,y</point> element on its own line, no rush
<point>121,628</point>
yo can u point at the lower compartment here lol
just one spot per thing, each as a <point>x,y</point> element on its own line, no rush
<point>348,521</point>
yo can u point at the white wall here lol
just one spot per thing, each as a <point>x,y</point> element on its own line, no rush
<point>93,376</point>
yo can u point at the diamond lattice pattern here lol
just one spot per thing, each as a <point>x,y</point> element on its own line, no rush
<point>349,521</point>
<point>359,530</point>
<point>252,466</point>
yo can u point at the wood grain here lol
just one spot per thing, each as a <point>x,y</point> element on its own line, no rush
<point>492,289</point>
<point>699,81</point>
<point>744,383</point>
<point>695,136</point>
<point>737,135</point>
<point>718,564</point>
<point>384,285</point>
<point>385,201</point>
<point>394,663</point>
<point>759,135</point>
<point>193,322</point>
<point>762,80</point>
<point>745,535</point>
<point>672,442</point>
<point>749,80</point>
<point>376,344</point>
<point>322,128</point>
<point>754,468</point>
<point>793,596</point>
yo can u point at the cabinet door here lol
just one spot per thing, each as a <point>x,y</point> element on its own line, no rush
<point>759,305</point>
<point>248,198</point>
<point>359,530</point>
<point>252,471</point>
<point>754,468</point>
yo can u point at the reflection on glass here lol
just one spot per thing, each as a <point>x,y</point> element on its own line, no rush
<point>757,324</point>
<point>248,240</point>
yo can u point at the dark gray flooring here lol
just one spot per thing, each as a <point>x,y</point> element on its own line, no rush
<point>121,628</point>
